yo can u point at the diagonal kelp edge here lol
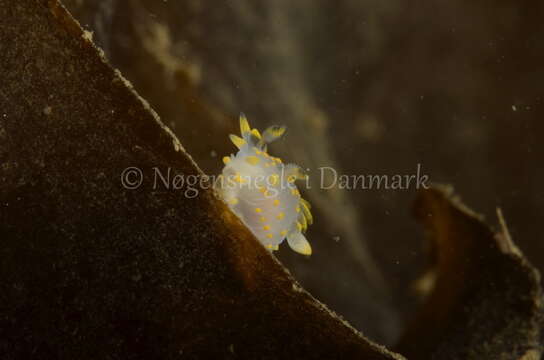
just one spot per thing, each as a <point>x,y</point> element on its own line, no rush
<point>92,269</point>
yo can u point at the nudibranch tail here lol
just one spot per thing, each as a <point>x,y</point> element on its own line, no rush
<point>298,242</point>
<point>261,190</point>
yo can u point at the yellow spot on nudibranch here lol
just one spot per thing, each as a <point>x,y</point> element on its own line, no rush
<point>239,179</point>
<point>294,172</point>
<point>297,209</point>
<point>270,236</point>
<point>283,232</point>
<point>262,219</point>
<point>252,160</point>
<point>226,160</point>
<point>274,179</point>
<point>276,202</point>
<point>266,227</point>
<point>258,210</point>
<point>280,216</point>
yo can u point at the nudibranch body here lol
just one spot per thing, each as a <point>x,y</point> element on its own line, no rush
<point>261,191</point>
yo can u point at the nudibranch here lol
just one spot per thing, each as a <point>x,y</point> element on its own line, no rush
<point>261,190</point>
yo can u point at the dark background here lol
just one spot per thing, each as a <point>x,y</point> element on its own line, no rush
<point>366,87</point>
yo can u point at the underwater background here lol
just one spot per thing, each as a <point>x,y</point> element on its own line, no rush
<point>453,88</point>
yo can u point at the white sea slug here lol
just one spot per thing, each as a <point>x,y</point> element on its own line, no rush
<point>260,189</point>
